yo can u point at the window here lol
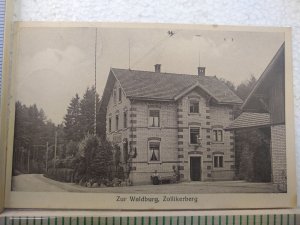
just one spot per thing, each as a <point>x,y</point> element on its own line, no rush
<point>125,150</point>
<point>154,118</point>
<point>218,161</point>
<point>218,135</point>
<point>115,95</point>
<point>109,124</point>
<point>120,94</point>
<point>194,106</point>
<point>125,119</point>
<point>194,135</point>
<point>154,152</point>
<point>117,122</point>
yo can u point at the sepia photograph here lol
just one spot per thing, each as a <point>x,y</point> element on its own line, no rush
<point>147,110</point>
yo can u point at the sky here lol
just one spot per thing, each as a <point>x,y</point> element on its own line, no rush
<point>53,64</point>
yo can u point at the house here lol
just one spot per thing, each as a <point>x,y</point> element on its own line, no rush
<point>166,122</point>
<point>264,110</point>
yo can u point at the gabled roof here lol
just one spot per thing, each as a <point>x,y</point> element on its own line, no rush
<point>256,112</point>
<point>250,120</point>
<point>273,71</point>
<point>169,86</point>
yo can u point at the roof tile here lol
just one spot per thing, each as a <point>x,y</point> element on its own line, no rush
<point>153,85</point>
<point>249,119</point>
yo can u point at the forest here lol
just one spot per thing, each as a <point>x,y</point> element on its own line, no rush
<point>68,152</point>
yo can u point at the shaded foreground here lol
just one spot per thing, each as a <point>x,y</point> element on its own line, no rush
<point>39,183</point>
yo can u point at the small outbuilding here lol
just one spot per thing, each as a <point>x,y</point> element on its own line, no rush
<point>264,110</point>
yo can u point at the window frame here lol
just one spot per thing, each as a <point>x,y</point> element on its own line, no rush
<point>218,161</point>
<point>110,124</point>
<point>149,153</point>
<point>117,122</point>
<point>216,135</point>
<point>120,94</point>
<point>115,96</point>
<point>159,118</point>
<point>193,100</point>
<point>125,119</point>
<point>191,127</point>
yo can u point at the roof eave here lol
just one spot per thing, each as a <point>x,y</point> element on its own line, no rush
<point>230,103</point>
<point>187,90</point>
<point>263,76</point>
<point>150,99</point>
<point>112,70</point>
<point>247,127</point>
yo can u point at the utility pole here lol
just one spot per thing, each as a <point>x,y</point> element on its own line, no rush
<point>199,57</point>
<point>55,148</point>
<point>47,157</point>
<point>95,110</point>
<point>129,53</point>
<point>28,161</point>
<point>21,160</point>
<point>199,51</point>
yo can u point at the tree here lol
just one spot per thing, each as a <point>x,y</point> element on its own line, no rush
<point>87,111</point>
<point>244,89</point>
<point>229,84</point>
<point>253,160</point>
<point>71,149</point>
<point>72,128</point>
<point>32,131</point>
<point>94,159</point>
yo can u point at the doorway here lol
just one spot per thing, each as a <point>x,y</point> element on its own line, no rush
<point>195,168</point>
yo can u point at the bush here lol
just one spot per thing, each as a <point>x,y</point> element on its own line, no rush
<point>71,149</point>
<point>60,174</point>
<point>68,162</point>
<point>94,159</point>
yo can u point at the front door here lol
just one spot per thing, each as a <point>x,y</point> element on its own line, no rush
<point>195,168</point>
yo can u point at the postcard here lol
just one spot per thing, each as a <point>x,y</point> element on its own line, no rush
<point>150,117</point>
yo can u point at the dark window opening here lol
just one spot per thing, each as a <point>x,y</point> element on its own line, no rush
<point>194,135</point>
<point>154,119</point>
<point>117,122</point>
<point>194,107</point>
<point>218,161</point>
<point>154,152</point>
<point>218,135</point>
<point>125,119</point>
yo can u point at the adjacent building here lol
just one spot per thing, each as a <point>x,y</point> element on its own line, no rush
<point>166,122</point>
<point>264,109</point>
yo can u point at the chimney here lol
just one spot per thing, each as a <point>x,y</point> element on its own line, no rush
<point>157,68</point>
<point>201,71</point>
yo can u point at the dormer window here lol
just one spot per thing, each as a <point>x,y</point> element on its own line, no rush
<point>194,106</point>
